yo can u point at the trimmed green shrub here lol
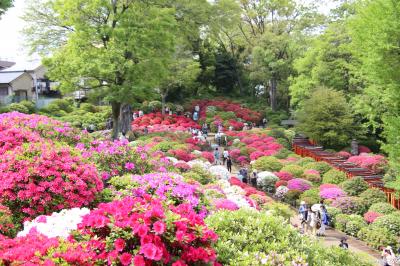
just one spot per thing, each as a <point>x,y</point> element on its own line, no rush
<point>391,222</point>
<point>199,174</point>
<point>373,195</point>
<point>305,161</point>
<point>17,107</point>
<point>382,207</point>
<point>247,237</point>
<point>267,163</point>
<point>354,226</point>
<point>354,186</point>
<point>296,170</point>
<point>321,167</point>
<point>282,153</point>
<point>334,176</point>
<point>30,105</point>
<point>310,196</point>
<point>292,196</point>
<point>377,237</point>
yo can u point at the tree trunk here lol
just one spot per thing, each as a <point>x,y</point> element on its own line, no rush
<point>126,118</point>
<point>272,93</point>
<point>116,110</point>
<point>163,97</point>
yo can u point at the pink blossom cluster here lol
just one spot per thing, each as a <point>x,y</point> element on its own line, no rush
<point>40,178</point>
<point>298,184</point>
<point>284,176</point>
<point>225,204</point>
<point>43,126</point>
<point>371,216</point>
<point>139,231</point>
<point>228,106</point>
<point>331,193</point>
<point>257,145</point>
<point>156,122</point>
<point>370,161</point>
<point>145,231</point>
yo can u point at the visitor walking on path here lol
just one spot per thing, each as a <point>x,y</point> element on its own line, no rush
<point>253,178</point>
<point>225,155</point>
<point>216,156</point>
<point>218,138</point>
<point>388,257</point>
<point>324,220</point>
<point>314,222</point>
<point>229,164</point>
<point>303,213</point>
<point>343,243</point>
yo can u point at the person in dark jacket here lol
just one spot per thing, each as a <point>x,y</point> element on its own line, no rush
<point>229,164</point>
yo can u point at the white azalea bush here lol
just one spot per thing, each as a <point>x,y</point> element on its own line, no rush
<point>58,224</point>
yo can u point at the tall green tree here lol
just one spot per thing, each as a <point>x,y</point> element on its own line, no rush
<point>327,118</point>
<point>4,5</point>
<point>119,49</point>
<point>375,32</point>
<point>274,30</point>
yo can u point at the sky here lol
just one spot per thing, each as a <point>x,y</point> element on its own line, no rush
<point>12,44</point>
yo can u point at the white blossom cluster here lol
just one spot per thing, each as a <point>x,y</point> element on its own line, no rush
<point>58,224</point>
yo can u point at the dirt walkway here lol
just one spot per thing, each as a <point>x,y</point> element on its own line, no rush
<point>332,237</point>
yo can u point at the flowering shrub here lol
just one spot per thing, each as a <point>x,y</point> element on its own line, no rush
<point>156,122</point>
<point>371,216</point>
<point>376,163</point>
<point>143,231</point>
<point>41,178</point>
<point>59,224</point>
<point>299,184</point>
<point>344,154</point>
<point>280,183</point>
<point>312,175</point>
<point>391,222</point>
<point>7,226</point>
<point>208,156</point>
<point>225,204</point>
<point>382,207</point>
<point>116,158</point>
<point>325,186</point>
<point>296,170</point>
<point>349,205</point>
<point>281,192</point>
<point>227,106</point>
<point>285,176</point>
<point>182,154</point>
<point>331,193</point>
<point>44,126</point>
<point>266,181</point>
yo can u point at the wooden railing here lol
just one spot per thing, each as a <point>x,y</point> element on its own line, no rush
<point>306,148</point>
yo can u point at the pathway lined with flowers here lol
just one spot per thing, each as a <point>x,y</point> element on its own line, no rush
<point>333,236</point>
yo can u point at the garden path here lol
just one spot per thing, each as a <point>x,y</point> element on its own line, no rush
<point>333,236</point>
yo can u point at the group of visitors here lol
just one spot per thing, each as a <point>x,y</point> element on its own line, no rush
<point>313,219</point>
<point>226,159</point>
<point>389,257</point>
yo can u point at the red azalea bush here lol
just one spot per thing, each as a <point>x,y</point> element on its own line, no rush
<point>156,122</point>
<point>227,106</point>
<point>208,156</point>
<point>42,178</point>
<point>281,183</point>
<point>143,231</point>
<point>285,176</point>
<point>371,216</point>
<point>344,154</point>
<point>182,155</point>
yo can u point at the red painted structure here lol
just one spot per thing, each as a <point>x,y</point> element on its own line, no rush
<point>305,148</point>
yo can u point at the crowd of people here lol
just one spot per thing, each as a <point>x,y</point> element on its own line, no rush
<point>314,219</point>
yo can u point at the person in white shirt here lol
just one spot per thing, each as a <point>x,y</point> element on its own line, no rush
<point>225,155</point>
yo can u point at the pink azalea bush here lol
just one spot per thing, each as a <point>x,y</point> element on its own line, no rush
<point>327,186</point>
<point>147,232</point>
<point>373,162</point>
<point>298,184</point>
<point>225,204</point>
<point>371,216</point>
<point>209,156</point>
<point>41,178</point>
<point>331,193</point>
